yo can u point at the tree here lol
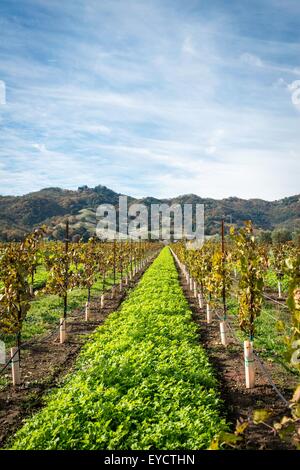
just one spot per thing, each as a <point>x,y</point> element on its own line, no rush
<point>265,237</point>
<point>296,238</point>
<point>16,262</point>
<point>280,236</point>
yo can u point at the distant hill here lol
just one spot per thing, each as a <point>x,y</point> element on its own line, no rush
<point>51,206</point>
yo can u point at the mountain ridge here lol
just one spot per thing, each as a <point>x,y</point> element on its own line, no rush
<point>50,206</point>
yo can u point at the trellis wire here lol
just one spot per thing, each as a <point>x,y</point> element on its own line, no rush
<point>257,357</point>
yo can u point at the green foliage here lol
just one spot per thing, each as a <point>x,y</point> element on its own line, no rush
<point>16,265</point>
<point>226,439</point>
<point>62,270</point>
<point>271,280</point>
<point>143,381</point>
<point>270,333</point>
<point>209,267</point>
<point>3,382</point>
<point>293,270</point>
<point>288,427</point>
<point>296,238</point>
<point>280,253</point>
<point>87,273</point>
<point>265,237</point>
<point>40,277</point>
<point>260,416</point>
<point>281,236</point>
<point>251,268</point>
<point>87,265</point>
<point>46,310</point>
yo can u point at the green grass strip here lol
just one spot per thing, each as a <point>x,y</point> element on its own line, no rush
<point>142,382</point>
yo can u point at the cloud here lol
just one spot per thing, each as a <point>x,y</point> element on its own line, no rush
<point>251,59</point>
<point>188,47</point>
<point>40,147</point>
<point>210,150</point>
<point>2,93</point>
<point>294,88</point>
<point>97,129</point>
<point>161,99</point>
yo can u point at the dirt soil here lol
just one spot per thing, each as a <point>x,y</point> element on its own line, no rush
<point>45,362</point>
<point>239,403</point>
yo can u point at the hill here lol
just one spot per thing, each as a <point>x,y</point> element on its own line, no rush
<point>51,206</point>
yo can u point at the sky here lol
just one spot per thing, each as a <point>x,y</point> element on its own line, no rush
<point>151,97</point>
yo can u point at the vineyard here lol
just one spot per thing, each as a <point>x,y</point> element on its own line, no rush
<point>157,347</point>
<point>63,274</point>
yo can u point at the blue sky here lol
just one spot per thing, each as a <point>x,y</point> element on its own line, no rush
<point>156,97</point>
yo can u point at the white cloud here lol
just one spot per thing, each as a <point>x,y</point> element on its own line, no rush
<point>2,93</point>
<point>210,150</point>
<point>188,47</point>
<point>280,83</point>
<point>97,129</point>
<point>251,59</point>
<point>40,147</point>
<point>294,88</point>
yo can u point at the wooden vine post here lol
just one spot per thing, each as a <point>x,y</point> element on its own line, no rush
<point>140,254</point>
<point>131,260</point>
<point>121,265</point>
<point>62,331</point>
<point>15,366</point>
<point>114,260</point>
<point>208,310</point>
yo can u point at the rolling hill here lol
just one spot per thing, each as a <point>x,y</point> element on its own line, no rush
<point>51,206</point>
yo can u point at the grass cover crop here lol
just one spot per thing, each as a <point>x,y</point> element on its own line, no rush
<point>142,382</point>
<point>272,281</point>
